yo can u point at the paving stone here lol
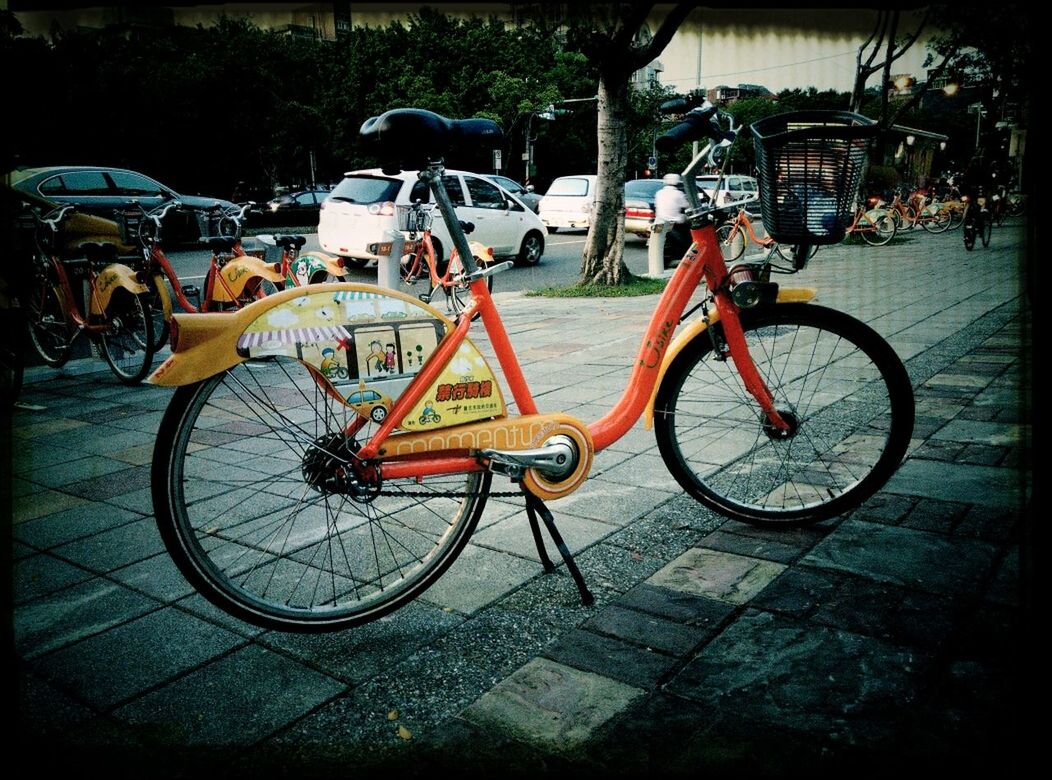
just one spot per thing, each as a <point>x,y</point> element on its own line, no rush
<point>814,680</point>
<point>957,482</point>
<point>647,630</point>
<point>43,503</point>
<point>120,663</point>
<point>1006,587</point>
<point>116,484</point>
<point>357,654</point>
<point>551,705</point>
<point>797,592</point>
<point>977,432</point>
<point>116,547</point>
<point>900,556</point>
<point>675,605</point>
<point>157,576</point>
<point>610,502</point>
<point>479,577</point>
<point>213,706</point>
<point>77,612</point>
<point>198,605</point>
<point>41,574</point>
<point>989,523</point>
<point>44,712</point>
<point>629,663</point>
<point>82,520</point>
<point>68,472</point>
<point>885,508</point>
<point>513,535</point>
<point>767,549</point>
<point>734,579</point>
<point>932,515</point>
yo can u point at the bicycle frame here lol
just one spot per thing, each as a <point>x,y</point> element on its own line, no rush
<point>447,450</point>
<point>742,220</point>
<point>101,286</point>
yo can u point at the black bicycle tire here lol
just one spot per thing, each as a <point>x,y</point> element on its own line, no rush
<point>887,373</point>
<point>170,483</point>
<point>141,365</point>
<point>40,290</point>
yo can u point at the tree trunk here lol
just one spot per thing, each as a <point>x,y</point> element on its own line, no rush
<point>602,261</point>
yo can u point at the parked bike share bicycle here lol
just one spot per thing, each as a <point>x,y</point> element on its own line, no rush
<point>734,236</point>
<point>233,280</point>
<point>420,263</point>
<point>93,294</point>
<point>289,508</point>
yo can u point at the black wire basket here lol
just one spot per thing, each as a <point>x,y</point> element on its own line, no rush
<point>810,165</point>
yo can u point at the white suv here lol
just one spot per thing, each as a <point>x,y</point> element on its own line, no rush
<point>361,215</point>
<point>735,187</point>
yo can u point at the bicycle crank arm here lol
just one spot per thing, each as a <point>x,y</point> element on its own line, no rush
<point>557,458</point>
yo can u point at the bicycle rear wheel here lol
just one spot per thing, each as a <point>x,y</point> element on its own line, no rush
<point>49,327</point>
<point>159,304</point>
<point>936,219</point>
<point>986,228</point>
<point>731,240</point>
<point>839,385</point>
<point>877,227</point>
<point>127,346</point>
<point>262,504</point>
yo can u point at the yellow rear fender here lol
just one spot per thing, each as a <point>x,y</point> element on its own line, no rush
<point>115,276</point>
<point>329,327</point>
<point>695,328</point>
<point>237,273</point>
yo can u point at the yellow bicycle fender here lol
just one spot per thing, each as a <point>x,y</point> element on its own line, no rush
<point>207,344</point>
<point>688,334</point>
<point>319,260</point>
<point>112,277</point>
<point>238,272</point>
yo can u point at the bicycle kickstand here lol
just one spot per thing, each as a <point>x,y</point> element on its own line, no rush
<point>535,506</point>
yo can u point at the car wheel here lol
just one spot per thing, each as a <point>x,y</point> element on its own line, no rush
<point>531,250</point>
<point>378,414</point>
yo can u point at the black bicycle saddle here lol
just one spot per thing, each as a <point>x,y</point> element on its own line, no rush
<point>409,138</point>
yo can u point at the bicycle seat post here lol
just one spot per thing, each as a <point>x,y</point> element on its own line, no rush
<point>432,175</point>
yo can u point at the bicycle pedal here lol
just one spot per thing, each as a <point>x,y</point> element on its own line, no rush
<point>425,297</point>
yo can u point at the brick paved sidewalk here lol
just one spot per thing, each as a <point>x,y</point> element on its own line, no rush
<point>888,638</point>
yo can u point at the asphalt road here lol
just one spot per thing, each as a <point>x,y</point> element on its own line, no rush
<point>560,264</point>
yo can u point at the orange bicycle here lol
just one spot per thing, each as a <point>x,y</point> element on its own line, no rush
<point>736,234</point>
<point>873,223</point>
<point>115,307</point>
<point>420,262</point>
<point>286,502</point>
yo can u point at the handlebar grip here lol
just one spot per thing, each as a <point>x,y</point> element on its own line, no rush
<point>696,125</point>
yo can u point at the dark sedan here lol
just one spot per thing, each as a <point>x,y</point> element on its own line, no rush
<point>639,205</point>
<point>294,208</point>
<point>107,192</point>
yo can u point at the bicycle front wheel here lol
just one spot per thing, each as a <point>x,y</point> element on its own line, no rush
<point>877,228</point>
<point>49,326</point>
<point>937,220</point>
<point>127,345</point>
<point>457,297</point>
<point>264,507</point>
<point>839,385</point>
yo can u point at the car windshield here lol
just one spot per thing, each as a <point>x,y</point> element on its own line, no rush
<point>366,189</point>
<point>643,188</point>
<point>572,186</point>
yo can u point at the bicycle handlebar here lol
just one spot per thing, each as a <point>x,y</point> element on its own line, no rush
<point>54,217</point>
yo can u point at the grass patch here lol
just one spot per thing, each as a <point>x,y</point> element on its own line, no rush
<point>637,286</point>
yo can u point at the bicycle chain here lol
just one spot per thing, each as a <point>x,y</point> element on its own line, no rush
<point>449,494</point>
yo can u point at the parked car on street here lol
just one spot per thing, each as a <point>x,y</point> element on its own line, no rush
<point>735,187</point>
<point>639,205</point>
<point>106,192</point>
<point>524,193</point>
<point>293,208</point>
<point>568,202</point>
<point>363,213</point>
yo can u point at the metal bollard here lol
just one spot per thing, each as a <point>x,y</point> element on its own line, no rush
<point>387,268</point>
<point>656,248</point>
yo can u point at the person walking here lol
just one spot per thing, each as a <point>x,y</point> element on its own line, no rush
<point>670,205</point>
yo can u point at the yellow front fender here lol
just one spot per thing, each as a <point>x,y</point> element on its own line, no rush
<point>113,277</point>
<point>237,273</point>
<point>689,333</point>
